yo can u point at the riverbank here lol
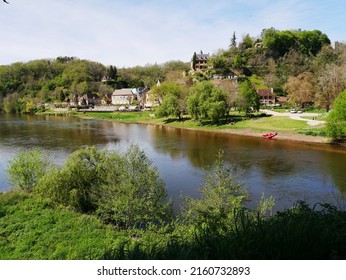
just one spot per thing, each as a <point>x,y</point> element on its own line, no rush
<point>288,129</point>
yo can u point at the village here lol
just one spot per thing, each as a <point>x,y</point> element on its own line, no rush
<point>138,99</point>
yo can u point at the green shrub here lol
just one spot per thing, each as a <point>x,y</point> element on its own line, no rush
<point>27,168</point>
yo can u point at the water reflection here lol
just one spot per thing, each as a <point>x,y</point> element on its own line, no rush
<point>288,171</point>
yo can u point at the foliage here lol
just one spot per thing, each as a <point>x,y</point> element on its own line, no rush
<point>123,189</point>
<point>194,61</point>
<point>336,125</point>
<point>169,107</point>
<point>222,197</point>
<point>206,101</point>
<point>308,42</point>
<point>300,90</point>
<point>76,183</point>
<point>135,195</point>
<point>34,229</point>
<point>330,82</point>
<point>168,88</point>
<point>247,99</point>
<point>216,226</point>
<point>27,168</point>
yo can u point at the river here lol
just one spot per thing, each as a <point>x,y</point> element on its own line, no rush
<point>289,171</point>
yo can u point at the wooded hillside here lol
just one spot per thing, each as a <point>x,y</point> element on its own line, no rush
<point>299,64</point>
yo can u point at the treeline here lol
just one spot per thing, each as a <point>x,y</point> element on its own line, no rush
<point>26,86</point>
<point>295,63</point>
<point>113,205</point>
<point>299,64</point>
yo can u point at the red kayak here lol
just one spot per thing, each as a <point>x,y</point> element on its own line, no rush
<point>270,135</point>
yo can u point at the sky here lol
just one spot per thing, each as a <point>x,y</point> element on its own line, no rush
<point>137,32</point>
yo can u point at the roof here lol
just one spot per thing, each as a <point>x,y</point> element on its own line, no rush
<point>265,92</point>
<point>282,98</point>
<point>202,56</point>
<point>123,92</point>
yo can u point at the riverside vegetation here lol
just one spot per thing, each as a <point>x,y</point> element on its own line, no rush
<point>105,204</point>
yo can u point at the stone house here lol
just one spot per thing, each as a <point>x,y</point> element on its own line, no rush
<point>267,96</point>
<point>128,96</point>
<point>201,61</point>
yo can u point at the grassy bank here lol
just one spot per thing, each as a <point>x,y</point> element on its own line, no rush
<point>34,229</point>
<point>237,123</point>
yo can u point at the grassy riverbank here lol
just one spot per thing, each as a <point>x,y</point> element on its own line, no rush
<point>289,129</point>
<point>32,228</point>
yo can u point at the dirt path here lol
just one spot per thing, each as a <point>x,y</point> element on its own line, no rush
<point>298,117</point>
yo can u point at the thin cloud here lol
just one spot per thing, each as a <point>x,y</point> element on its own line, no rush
<point>135,32</point>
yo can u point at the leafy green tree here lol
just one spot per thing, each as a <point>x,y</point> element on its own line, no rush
<point>311,42</point>
<point>247,43</point>
<point>27,168</point>
<point>171,98</point>
<point>138,196</point>
<point>308,42</point>
<point>222,196</point>
<point>122,188</point>
<point>159,92</point>
<point>10,103</point>
<point>247,100</point>
<point>169,107</point>
<point>77,182</point>
<point>336,125</point>
<point>194,61</point>
<point>233,44</point>
<point>206,101</point>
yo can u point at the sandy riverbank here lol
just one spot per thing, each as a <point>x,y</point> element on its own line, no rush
<point>287,136</point>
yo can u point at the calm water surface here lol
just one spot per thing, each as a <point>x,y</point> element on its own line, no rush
<point>288,171</point>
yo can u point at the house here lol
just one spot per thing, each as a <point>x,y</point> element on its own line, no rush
<point>123,96</point>
<point>267,96</point>
<point>200,62</point>
<point>127,96</point>
<point>282,100</point>
<point>149,100</point>
<point>107,99</point>
<point>89,99</point>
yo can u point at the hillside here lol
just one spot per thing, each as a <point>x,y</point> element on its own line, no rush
<point>299,64</point>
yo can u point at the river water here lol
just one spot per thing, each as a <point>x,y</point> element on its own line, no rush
<point>288,171</point>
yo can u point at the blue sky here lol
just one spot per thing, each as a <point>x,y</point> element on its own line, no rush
<point>135,32</point>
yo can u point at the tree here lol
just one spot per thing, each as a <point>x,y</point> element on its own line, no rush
<point>206,101</point>
<point>247,100</point>
<point>76,183</point>
<point>169,107</point>
<point>138,195</point>
<point>308,42</point>
<point>222,196</point>
<point>336,124</point>
<point>159,92</point>
<point>300,89</point>
<point>246,43</point>
<point>233,44</point>
<point>194,61</point>
<point>330,83</point>
<point>122,188</point>
<point>27,168</point>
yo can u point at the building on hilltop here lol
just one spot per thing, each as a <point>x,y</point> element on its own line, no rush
<point>199,61</point>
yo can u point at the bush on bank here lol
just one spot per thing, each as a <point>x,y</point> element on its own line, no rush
<point>113,205</point>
